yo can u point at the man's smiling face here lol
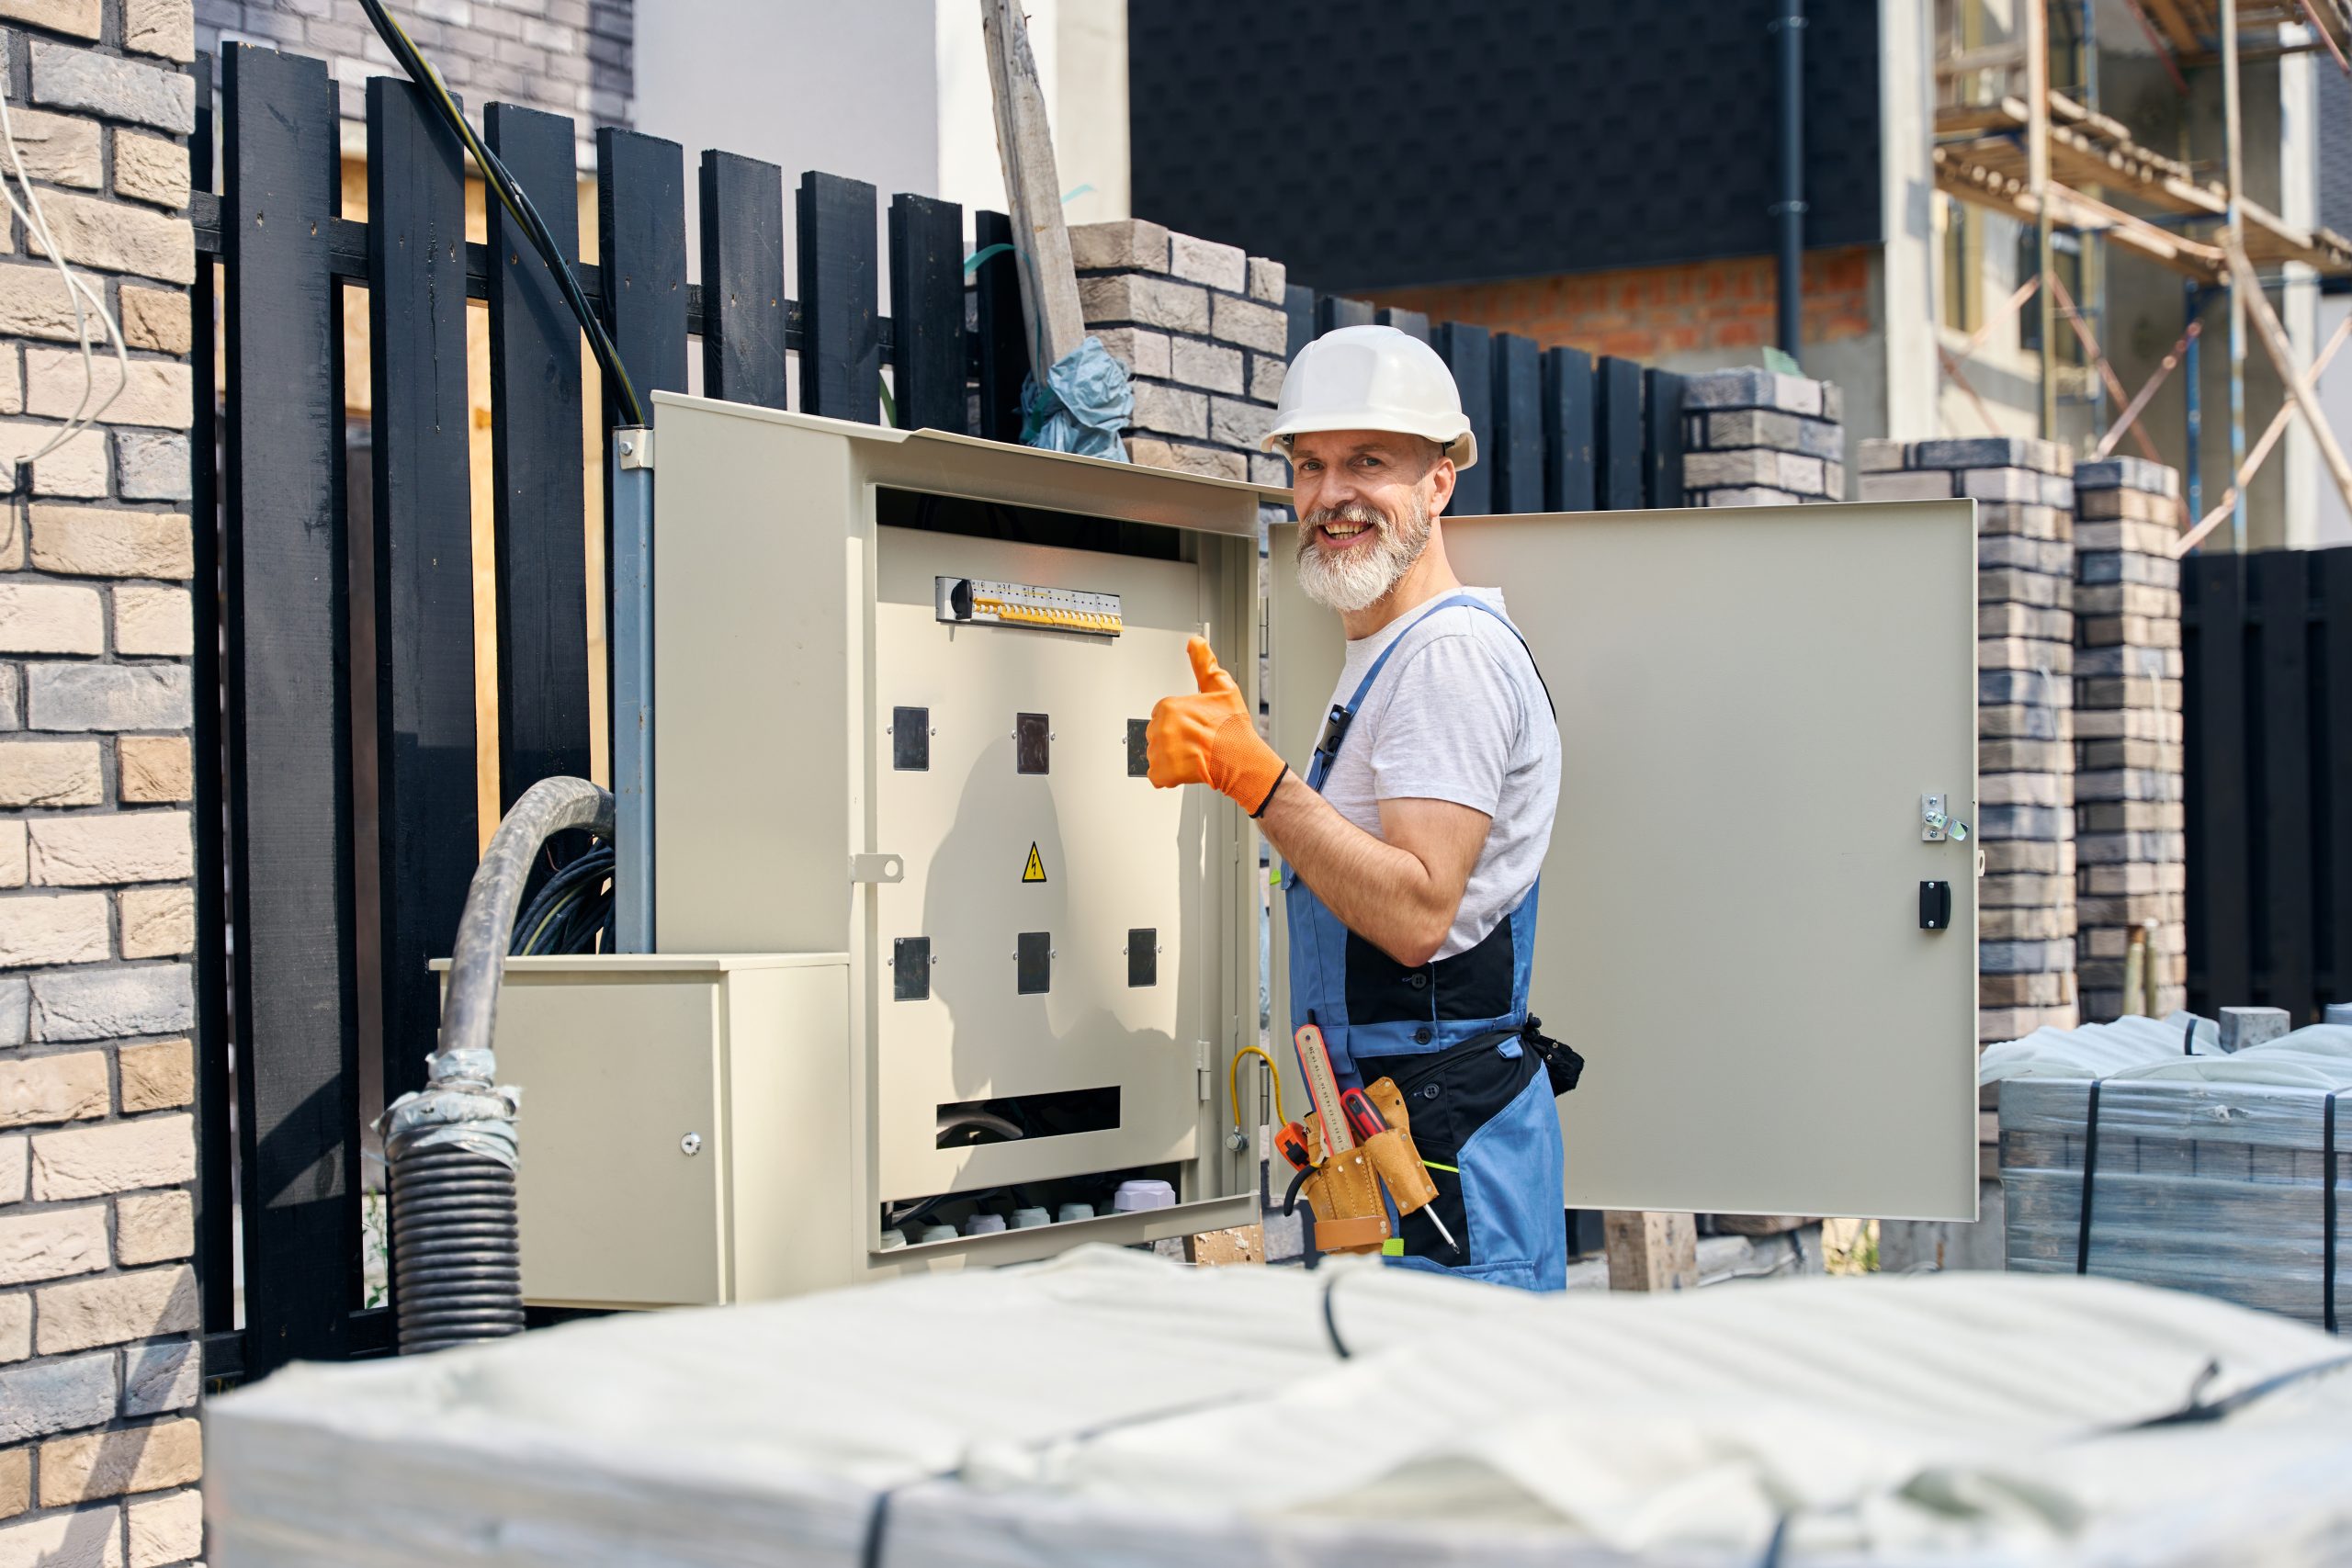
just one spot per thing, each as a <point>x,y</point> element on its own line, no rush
<point>1366,501</point>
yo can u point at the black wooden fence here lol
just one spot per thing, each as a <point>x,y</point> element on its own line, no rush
<point>310,773</point>
<point>2268,698</point>
<point>1558,431</point>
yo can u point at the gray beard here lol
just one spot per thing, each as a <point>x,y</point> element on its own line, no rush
<point>1358,580</point>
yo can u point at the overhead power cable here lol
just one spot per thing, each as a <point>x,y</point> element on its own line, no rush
<point>514,199</point>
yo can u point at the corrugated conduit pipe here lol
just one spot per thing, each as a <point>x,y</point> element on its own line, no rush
<point>457,1259</point>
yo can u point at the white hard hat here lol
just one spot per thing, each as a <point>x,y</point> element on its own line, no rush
<point>1373,378</point>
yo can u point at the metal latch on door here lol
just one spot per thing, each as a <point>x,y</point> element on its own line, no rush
<point>1935,824</point>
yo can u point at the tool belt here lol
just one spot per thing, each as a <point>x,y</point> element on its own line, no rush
<point>1345,1189</point>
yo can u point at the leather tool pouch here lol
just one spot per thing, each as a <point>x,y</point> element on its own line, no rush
<point>1349,1214</point>
<point>1393,1153</point>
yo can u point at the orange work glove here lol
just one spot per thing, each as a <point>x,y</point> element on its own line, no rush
<point>1212,739</point>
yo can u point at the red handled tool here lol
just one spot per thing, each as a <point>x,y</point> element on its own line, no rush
<point>1366,1120</point>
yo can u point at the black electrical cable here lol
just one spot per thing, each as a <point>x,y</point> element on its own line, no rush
<point>513,198</point>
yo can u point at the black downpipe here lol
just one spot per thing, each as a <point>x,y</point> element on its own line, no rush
<point>1789,211</point>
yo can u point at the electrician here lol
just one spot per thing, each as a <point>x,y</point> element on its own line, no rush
<point>1412,844</point>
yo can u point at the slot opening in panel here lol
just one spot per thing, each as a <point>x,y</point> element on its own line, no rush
<point>1025,524</point>
<point>1058,1114</point>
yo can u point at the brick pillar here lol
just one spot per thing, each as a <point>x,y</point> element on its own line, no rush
<point>1754,438</point>
<point>1203,329</point>
<point>98,1368</point>
<point>2132,877</point>
<point>2024,657</point>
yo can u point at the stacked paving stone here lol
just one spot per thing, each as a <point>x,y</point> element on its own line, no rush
<point>1755,438</point>
<point>2025,658</point>
<point>100,1361</point>
<point>1203,329</point>
<point>2129,842</point>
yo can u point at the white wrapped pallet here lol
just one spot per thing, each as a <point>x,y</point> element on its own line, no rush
<point>1111,1408</point>
<point>2219,1174</point>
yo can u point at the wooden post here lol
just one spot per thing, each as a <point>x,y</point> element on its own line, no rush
<point>2037,163</point>
<point>2233,236</point>
<point>1024,141</point>
<point>1651,1251</point>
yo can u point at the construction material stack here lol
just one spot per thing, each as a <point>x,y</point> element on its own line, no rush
<point>2131,850</point>
<point>2025,651</point>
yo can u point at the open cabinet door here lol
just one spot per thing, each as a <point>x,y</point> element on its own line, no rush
<point>1752,703</point>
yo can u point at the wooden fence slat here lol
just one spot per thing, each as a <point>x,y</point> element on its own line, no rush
<point>1567,434</point>
<point>1618,480</point>
<point>536,457</point>
<point>289,716</point>
<point>1332,313</point>
<point>423,559</point>
<point>1004,353</point>
<point>1468,352</point>
<point>1298,305</point>
<point>840,342</point>
<point>743,280</point>
<point>1412,324</point>
<point>927,359</point>
<point>1518,454</point>
<point>2334,738</point>
<point>215,1158</point>
<point>1662,440</point>
<point>2221,909</point>
<point>2279,584</point>
<point>641,252</point>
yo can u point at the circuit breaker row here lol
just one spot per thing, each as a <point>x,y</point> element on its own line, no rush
<point>1032,963</point>
<point>1033,743</point>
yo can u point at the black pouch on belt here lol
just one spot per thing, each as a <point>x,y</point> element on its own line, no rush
<point>1561,1063</point>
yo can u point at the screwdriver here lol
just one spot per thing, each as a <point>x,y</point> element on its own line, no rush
<point>1366,1120</point>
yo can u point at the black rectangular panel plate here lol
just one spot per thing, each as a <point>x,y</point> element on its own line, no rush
<point>1143,957</point>
<point>911,969</point>
<point>910,739</point>
<point>1138,747</point>
<point>1032,743</point>
<point>1032,963</point>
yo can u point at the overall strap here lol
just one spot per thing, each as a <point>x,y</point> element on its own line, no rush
<point>1335,729</point>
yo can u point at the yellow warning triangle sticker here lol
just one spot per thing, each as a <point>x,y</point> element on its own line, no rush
<point>1035,870</point>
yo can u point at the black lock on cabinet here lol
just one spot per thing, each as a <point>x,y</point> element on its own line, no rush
<point>1935,906</point>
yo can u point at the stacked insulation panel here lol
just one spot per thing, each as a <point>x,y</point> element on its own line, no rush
<point>2025,652</point>
<point>2131,853</point>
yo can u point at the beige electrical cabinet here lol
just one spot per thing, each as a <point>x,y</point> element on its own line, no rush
<point>922,932</point>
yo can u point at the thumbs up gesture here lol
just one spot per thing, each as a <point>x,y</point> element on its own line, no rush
<point>1211,738</point>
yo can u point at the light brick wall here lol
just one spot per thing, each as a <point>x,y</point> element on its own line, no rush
<point>1754,438</point>
<point>1203,330</point>
<point>2025,758</point>
<point>99,1366</point>
<point>569,57</point>
<point>2132,879</point>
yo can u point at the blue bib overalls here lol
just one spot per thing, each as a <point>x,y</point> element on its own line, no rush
<point>1447,1033</point>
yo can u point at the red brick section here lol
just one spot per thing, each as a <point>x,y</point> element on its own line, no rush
<point>1650,312</point>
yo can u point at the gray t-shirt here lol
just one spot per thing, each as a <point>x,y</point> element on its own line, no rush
<point>1458,714</point>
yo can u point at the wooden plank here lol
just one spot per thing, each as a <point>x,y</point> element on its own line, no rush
<point>1618,478</point>
<point>424,561</point>
<point>2334,681</point>
<point>289,715</point>
<point>536,457</point>
<point>743,280</point>
<point>1662,438</point>
<point>840,351</point>
<point>1054,323</point>
<point>1332,313</point>
<point>215,1150</point>
<point>641,246</point>
<point>1004,358</point>
<point>1412,324</point>
<point>927,360</point>
<point>1652,1252</point>
<point>2278,584</point>
<point>2282,359</point>
<point>1468,352</point>
<point>1567,429</point>
<point>2220,939</point>
<point>1518,452</point>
